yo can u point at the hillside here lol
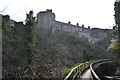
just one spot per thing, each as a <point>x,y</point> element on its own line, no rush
<point>54,52</point>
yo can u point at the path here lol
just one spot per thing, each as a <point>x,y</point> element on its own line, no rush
<point>86,75</point>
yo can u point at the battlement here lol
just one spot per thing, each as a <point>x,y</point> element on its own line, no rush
<point>47,21</point>
<point>47,11</point>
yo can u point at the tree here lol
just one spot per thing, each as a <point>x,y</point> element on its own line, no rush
<point>116,31</point>
<point>117,17</point>
<point>30,37</point>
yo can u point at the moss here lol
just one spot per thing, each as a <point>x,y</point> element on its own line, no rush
<point>65,72</point>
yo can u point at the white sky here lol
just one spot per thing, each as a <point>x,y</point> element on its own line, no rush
<point>94,13</point>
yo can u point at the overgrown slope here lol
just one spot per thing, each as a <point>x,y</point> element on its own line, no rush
<point>54,52</point>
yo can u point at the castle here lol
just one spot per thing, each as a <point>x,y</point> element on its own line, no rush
<point>47,20</point>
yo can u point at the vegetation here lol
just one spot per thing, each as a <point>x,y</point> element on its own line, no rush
<point>30,38</point>
<point>63,50</point>
<point>19,44</point>
<point>117,20</point>
<point>116,34</point>
<point>28,51</point>
<point>83,67</point>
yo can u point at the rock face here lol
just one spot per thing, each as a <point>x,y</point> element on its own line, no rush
<point>46,20</point>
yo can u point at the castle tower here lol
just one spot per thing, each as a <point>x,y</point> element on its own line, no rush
<point>46,19</point>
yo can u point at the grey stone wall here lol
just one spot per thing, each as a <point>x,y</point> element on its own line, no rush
<point>47,21</point>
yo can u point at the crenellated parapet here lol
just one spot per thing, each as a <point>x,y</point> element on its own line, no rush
<point>47,21</point>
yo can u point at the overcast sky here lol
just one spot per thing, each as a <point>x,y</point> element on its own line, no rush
<point>94,13</point>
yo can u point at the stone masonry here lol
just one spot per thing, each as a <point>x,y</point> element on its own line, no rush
<point>46,20</point>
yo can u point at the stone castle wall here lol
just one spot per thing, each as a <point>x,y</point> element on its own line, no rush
<point>47,21</point>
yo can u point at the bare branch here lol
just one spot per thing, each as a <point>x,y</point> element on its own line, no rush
<point>6,7</point>
<point>24,7</point>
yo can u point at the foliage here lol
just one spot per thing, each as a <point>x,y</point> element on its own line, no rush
<point>65,49</point>
<point>65,72</point>
<point>116,50</point>
<point>83,67</point>
<point>117,17</point>
<point>46,53</point>
<point>116,32</point>
<point>19,44</point>
<point>30,38</point>
<point>117,13</point>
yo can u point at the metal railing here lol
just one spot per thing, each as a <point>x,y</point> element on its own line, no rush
<point>94,65</point>
<point>77,71</point>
